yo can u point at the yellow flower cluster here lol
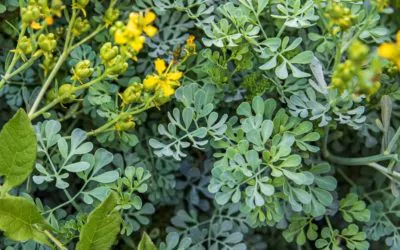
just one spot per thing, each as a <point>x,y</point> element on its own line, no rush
<point>164,80</point>
<point>131,34</point>
<point>391,51</point>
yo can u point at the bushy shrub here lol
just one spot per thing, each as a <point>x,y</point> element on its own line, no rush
<point>199,124</point>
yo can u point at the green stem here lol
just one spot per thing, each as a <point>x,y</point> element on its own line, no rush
<point>392,142</point>
<point>55,240</point>
<point>58,65</point>
<point>76,206</point>
<point>23,67</point>
<point>118,118</point>
<point>13,61</point>
<point>47,84</point>
<point>357,161</point>
<point>87,38</point>
<point>338,54</point>
<point>68,201</point>
<point>59,99</point>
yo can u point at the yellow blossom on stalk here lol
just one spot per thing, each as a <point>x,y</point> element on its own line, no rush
<point>131,34</point>
<point>391,51</point>
<point>164,80</point>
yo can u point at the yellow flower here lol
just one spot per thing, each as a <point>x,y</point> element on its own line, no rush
<point>164,80</point>
<point>391,51</point>
<point>35,25</point>
<point>132,33</point>
<point>49,20</point>
<point>120,37</point>
<point>137,43</point>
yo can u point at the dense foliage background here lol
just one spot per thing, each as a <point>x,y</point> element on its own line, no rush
<point>199,124</point>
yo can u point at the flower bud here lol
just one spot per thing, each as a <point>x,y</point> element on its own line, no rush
<point>358,52</point>
<point>131,94</point>
<point>82,3</point>
<point>82,70</point>
<point>80,26</point>
<point>48,63</point>
<point>110,16</point>
<point>116,66</point>
<point>47,42</point>
<point>57,7</point>
<point>66,90</point>
<point>108,52</point>
<point>125,125</point>
<point>25,45</point>
<point>30,13</point>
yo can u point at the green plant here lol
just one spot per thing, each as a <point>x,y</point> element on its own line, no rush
<point>192,124</point>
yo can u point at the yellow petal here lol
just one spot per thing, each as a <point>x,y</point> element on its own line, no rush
<point>133,29</point>
<point>137,43</point>
<point>49,20</point>
<point>388,50</point>
<point>174,76</point>
<point>149,17</point>
<point>134,17</point>
<point>160,65</point>
<point>150,82</point>
<point>150,30</point>
<point>35,25</point>
<point>120,37</point>
<point>167,90</point>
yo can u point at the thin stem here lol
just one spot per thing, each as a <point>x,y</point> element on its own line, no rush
<point>59,99</point>
<point>392,142</point>
<point>76,206</point>
<point>68,201</point>
<point>47,83</point>
<point>58,65</point>
<point>87,38</point>
<point>21,68</point>
<point>55,240</point>
<point>13,61</point>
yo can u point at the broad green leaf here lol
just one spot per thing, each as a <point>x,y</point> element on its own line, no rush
<point>302,58</point>
<point>146,243</point>
<point>102,226</point>
<point>17,150</point>
<point>21,221</point>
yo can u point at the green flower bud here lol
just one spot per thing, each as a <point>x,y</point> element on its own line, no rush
<point>30,13</point>
<point>56,7</point>
<point>82,70</point>
<point>80,26</point>
<point>68,90</point>
<point>125,125</point>
<point>48,63</point>
<point>25,45</point>
<point>47,42</point>
<point>108,52</point>
<point>82,3</point>
<point>116,66</point>
<point>110,16</point>
<point>131,94</point>
<point>358,52</point>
